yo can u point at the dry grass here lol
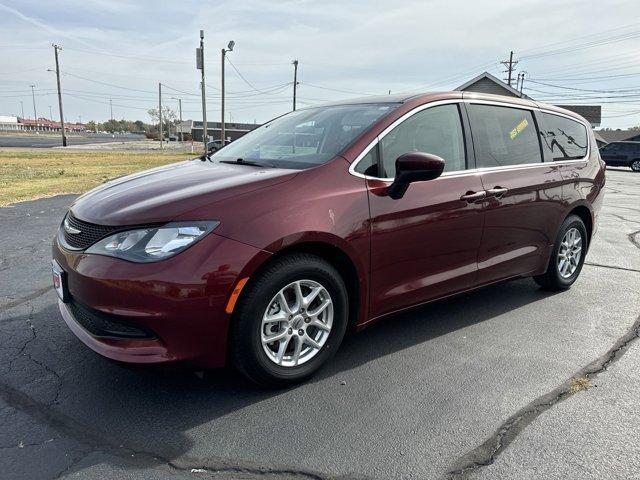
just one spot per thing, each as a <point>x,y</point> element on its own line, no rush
<point>579,384</point>
<point>27,175</point>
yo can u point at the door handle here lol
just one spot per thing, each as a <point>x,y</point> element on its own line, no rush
<point>471,197</point>
<point>497,192</point>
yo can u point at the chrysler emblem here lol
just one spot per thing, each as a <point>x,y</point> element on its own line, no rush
<point>69,229</point>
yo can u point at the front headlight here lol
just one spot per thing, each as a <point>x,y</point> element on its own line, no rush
<point>152,244</point>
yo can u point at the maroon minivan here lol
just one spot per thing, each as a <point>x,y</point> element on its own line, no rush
<point>327,219</point>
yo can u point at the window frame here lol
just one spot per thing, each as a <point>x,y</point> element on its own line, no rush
<point>542,121</point>
<point>472,167</point>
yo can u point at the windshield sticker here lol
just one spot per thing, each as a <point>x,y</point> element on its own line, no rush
<point>520,127</point>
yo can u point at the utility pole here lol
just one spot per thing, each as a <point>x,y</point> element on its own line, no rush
<point>50,114</point>
<point>510,66</point>
<point>521,75</point>
<point>295,82</point>
<point>111,109</point>
<point>160,112</point>
<point>180,113</point>
<point>56,48</point>
<point>22,107</point>
<point>33,96</point>
<point>224,54</point>
<point>200,66</point>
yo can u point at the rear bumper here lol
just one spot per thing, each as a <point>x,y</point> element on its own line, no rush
<point>180,300</point>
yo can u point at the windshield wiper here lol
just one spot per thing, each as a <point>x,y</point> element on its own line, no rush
<point>242,161</point>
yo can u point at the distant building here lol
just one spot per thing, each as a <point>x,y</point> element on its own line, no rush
<point>10,124</point>
<point>233,131</point>
<point>619,135</point>
<point>487,83</point>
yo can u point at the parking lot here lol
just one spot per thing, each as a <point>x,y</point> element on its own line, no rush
<point>506,382</point>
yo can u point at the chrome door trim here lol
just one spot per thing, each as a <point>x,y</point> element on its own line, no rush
<point>474,171</point>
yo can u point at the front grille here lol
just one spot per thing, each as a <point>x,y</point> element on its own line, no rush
<point>89,234</point>
<point>100,324</point>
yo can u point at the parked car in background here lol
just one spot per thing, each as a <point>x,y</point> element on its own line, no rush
<point>215,145</point>
<point>326,219</point>
<point>622,154</point>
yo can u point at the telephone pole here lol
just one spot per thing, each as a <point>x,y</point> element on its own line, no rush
<point>33,96</point>
<point>111,109</point>
<point>160,112</point>
<point>56,48</point>
<point>200,66</point>
<point>510,66</point>
<point>50,114</point>
<point>224,54</point>
<point>180,113</point>
<point>521,77</point>
<point>22,107</point>
<point>295,82</point>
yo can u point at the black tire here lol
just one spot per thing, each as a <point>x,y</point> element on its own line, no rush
<point>245,345</point>
<point>635,165</point>
<point>552,279</point>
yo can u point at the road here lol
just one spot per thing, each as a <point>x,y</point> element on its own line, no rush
<point>474,387</point>
<point>48,141</point>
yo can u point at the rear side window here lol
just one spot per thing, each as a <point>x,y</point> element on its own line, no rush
<point>562,138</point>
<point>503,136</point>
<point>435,130</point>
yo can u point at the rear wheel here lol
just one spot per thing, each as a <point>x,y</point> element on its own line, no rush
<point>635,165</point>
<point>567,256</point>
<point>290,320</point>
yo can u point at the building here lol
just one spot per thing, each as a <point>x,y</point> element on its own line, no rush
<point>17,124</point>
<point>619,135</point>
<point>233,131</point>
<point>487,83</point>
<point>10,124</point>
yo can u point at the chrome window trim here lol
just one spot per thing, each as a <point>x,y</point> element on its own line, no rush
<point>473,171</point>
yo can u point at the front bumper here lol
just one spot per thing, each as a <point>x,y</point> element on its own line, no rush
<point>180,300</point>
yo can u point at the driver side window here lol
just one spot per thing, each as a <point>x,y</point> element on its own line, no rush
<point>436,130</point>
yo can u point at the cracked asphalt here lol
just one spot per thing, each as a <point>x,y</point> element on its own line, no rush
<point>481,386</point>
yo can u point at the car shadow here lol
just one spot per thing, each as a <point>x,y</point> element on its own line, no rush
<point>152,411</point>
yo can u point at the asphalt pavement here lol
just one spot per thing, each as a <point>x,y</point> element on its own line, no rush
<point>49,141</point>
<point>506,382</point>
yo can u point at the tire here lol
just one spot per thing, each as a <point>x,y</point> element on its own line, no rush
<point>560,276</point>
<point>635,165</point>
<point>264,363</point>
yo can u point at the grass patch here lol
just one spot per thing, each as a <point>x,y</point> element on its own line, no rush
<point>580,384</point>
<point>27,175</point>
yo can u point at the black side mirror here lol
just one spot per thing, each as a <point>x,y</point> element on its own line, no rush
<point>414,167</point>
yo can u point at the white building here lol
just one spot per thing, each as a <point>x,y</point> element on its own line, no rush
<point>9,124</point>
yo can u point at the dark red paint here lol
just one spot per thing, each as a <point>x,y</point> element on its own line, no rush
<point>435,241</point>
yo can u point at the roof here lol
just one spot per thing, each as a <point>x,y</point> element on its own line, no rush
<point>599,137</point>
<point>593,113</point>
<point>487,76</point>
<point>618,135</point>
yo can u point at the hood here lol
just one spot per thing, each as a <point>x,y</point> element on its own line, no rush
<point>164,193</point>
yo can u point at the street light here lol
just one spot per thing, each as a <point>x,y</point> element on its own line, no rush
<point>230,46</point>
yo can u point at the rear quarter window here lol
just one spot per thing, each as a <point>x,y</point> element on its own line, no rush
<point>503,136</point>
<point>562,138</point>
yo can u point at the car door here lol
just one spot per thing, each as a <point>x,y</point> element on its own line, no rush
<point>423,245</point>
<point>613,155</point>
<point>524,195</point>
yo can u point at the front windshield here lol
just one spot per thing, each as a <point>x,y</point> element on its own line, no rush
<point>304,138</point>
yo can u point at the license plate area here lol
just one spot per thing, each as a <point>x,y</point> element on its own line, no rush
<point>60,281</point>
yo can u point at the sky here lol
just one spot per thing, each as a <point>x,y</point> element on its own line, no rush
<point>573,52</point>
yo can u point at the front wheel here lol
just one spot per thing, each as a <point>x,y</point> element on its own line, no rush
<point>635,165</point>
<point>290,320</point>
<point>567,256</point>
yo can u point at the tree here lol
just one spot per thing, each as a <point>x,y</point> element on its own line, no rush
<point>168,118</point>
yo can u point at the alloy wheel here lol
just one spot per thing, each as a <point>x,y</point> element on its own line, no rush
<point>297,322</point>
<point>569,253</point>
<point>635,166</point>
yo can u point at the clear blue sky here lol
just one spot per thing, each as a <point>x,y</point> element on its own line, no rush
<point>585,52</point>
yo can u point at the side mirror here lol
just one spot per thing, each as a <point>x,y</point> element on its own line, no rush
<point>414,167</point>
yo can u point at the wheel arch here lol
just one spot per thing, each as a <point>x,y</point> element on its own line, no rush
<point>349,268</point>
<point>586,215</point>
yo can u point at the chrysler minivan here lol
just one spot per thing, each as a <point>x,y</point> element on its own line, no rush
<point>326,219</point>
